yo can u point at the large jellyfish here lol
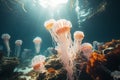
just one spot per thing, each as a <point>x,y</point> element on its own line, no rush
<point>62,37</point>
<point>38,62</point>
<point>86,48</point>
<point>37,41</point>
<point>6,38</point>
<point>18,44</point>
<point>78,37</point>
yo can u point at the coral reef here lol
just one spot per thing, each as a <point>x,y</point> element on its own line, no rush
<point>102,65</point>
<point>7,66</point>
<point>99,66</point>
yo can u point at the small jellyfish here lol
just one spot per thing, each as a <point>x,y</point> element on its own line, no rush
<point>18,44</point>
<point>86,48</point>
<point>37,41</point>
<point>38,63</point>
<point>49,26</point>
<point>26,53</point>
<point>6,38</point>
<point>78,37</point>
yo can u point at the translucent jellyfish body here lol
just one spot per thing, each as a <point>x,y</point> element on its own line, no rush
<point>38,62</point>
<point>62,32</point>
<point>49,25</point>
<point>78,37</point>
<point>86,48</point>
<point>61,35</point>
<point>6,38</point>
<point>37,42</point>
<point>26,54</point>
<point>18,44</point>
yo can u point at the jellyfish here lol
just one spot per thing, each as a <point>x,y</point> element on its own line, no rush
<point>78,37</point>
<point>37,41</point>
<point>18,44</point>
<point>49,26</point>
<point>6,38</point>
<point>38,63</point>
<point>86,48</point>
<point>62,37</point>
<point>26,54</point>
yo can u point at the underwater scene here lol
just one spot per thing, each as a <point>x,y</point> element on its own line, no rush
<point>59,40</point>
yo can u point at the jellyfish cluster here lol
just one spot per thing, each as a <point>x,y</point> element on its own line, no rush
<point>18,44</point>
<point>66,47</point>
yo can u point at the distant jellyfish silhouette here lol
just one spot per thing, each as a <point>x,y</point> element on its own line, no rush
<point>37,42</point>
<point>6,38</point>
<point>86,48</point>
<point>78,37</point>
<point>26,53</point>
<point>18,44</point>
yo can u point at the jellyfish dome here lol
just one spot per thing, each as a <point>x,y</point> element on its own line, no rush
<point>5,36</point>
<point>37,40</point>
<point>49,24</point>
<point>38,62</point>
<point>63,26</point>
<point>86,48</point>
<point>18,42</point>
<point>78,35</point>
<point>61,31</point>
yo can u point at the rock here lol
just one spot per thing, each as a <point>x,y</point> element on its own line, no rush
<point>7,66</point>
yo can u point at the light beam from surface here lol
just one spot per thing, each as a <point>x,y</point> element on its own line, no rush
<point>51,3</point>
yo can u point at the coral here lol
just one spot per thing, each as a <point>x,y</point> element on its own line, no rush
<point>102,66</point>
<point>7,66</point>
<point>54,70</point>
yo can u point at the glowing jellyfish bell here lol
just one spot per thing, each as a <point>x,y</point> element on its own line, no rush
<point>62,31</point>
<point>6,38</point>
<point>78,37</point>
<point>49,25</point>
<point>18,44</point>
<point>38,62</point>
<point>37,41</point>
<point>86,48</point>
